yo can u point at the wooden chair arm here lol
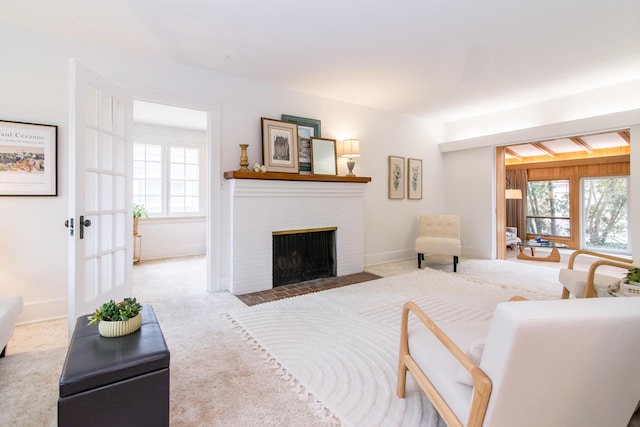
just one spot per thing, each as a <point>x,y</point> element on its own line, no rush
<point>574,255</point>
<point>590,290</point>
<point>481,382</point>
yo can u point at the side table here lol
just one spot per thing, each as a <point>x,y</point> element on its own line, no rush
<point>116,381</point>
<point>137,247</point>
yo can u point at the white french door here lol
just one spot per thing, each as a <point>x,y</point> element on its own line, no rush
<point>100,211</point>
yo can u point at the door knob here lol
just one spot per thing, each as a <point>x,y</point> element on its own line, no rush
<point>83,223</point>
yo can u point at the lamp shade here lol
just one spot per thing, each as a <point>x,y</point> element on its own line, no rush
<point>513,194</point>
<point>350,148</point>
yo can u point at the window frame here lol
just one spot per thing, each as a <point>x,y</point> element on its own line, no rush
<point>567,218</point>
<point>166,143</point>
<point>583,215</point>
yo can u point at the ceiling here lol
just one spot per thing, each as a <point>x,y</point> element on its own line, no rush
<point>595,145</point>
<point>439,58</point>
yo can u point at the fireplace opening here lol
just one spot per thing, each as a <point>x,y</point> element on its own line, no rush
<point>301,255</point>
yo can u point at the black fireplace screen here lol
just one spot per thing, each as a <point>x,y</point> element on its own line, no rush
<point>298,257</point>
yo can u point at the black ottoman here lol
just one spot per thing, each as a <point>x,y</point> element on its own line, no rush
<point>115,381</point>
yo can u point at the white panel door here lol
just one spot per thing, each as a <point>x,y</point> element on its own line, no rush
<point>100,218</point>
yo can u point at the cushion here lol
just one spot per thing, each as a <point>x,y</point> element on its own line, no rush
<point>576,280</point>
<point>474,352</point>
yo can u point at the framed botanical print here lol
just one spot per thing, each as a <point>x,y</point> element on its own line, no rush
<point>396,177</point>
<point>279,145</point>
<point>414,179</point>
<point>307,129</point>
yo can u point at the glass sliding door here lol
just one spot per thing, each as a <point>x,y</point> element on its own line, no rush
<point>605,225</point>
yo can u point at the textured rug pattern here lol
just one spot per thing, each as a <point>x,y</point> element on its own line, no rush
<point>340,346</point>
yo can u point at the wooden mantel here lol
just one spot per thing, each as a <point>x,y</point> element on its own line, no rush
<point>281,176</point>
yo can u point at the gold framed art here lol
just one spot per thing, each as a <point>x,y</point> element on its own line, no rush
<point>279,145</point>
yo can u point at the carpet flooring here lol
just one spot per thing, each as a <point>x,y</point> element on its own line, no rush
<point>216,378</point>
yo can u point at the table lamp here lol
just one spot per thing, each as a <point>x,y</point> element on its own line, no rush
<point>350,149</point>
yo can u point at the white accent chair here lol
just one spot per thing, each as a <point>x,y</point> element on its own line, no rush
<point>584,284</point>
<point>10,309</point>
<point>545,363</point>
<point>439,235</point>
<point>513,241</point>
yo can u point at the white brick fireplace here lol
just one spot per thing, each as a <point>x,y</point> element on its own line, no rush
<point>255,208</point>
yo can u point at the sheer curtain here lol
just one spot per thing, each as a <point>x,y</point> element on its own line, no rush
<point>516,209</point>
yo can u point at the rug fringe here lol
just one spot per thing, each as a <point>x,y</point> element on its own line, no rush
<point>319,409</point>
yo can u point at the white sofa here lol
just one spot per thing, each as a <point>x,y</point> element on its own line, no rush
<point>549,363</point>
<point>10,309</point>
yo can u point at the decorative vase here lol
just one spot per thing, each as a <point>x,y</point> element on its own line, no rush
<point>244,159</point>
<point>135,226</point>
<point>119,328</point>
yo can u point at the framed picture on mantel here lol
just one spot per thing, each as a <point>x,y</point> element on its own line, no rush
<point>279,145</point>
<point>307,129</point>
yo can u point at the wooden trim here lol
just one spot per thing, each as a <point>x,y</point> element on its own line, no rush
<point>501,203</point>
<point>281,176</point>
<point>307,230</point>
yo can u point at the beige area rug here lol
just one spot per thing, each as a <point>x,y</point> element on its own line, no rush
<point>339,348</point>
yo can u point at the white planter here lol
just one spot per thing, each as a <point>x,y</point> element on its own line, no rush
<point>120,328</point>
<point>630,290</point>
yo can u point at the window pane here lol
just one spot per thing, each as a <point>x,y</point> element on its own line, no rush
<point>604,207</point>
<point>548,208</point>
<point>177,204</point>
<point>192,188</point>
<point>177,154</point>
<point>192,204</point>
<point>177,171</point>
<point>154,170</point>
<point>177,188</point>
<point>192,172</point>
<point>192,156</point>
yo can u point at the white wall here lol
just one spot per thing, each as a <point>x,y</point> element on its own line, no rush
<point>34,86</point>
<point>470,183</point>
<point>617,107</point>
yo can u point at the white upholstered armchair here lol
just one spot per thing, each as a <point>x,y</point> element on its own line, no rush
<point>537,363</point>
<point>439,235</point>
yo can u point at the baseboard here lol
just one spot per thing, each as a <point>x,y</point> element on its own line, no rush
<point>391,256</point>
<point>43,310</point>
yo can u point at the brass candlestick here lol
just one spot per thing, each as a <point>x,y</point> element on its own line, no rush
<point>244,159</point>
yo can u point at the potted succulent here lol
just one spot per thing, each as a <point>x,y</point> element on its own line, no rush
<point>631,283</point>
<point>138,212</point>
<point>117,319</point>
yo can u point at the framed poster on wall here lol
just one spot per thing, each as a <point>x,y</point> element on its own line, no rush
<point>28,159</point>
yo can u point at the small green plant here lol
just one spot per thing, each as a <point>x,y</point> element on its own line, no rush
<point>140,211</point>
<point>114,311</point>
<point>633,275</point>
